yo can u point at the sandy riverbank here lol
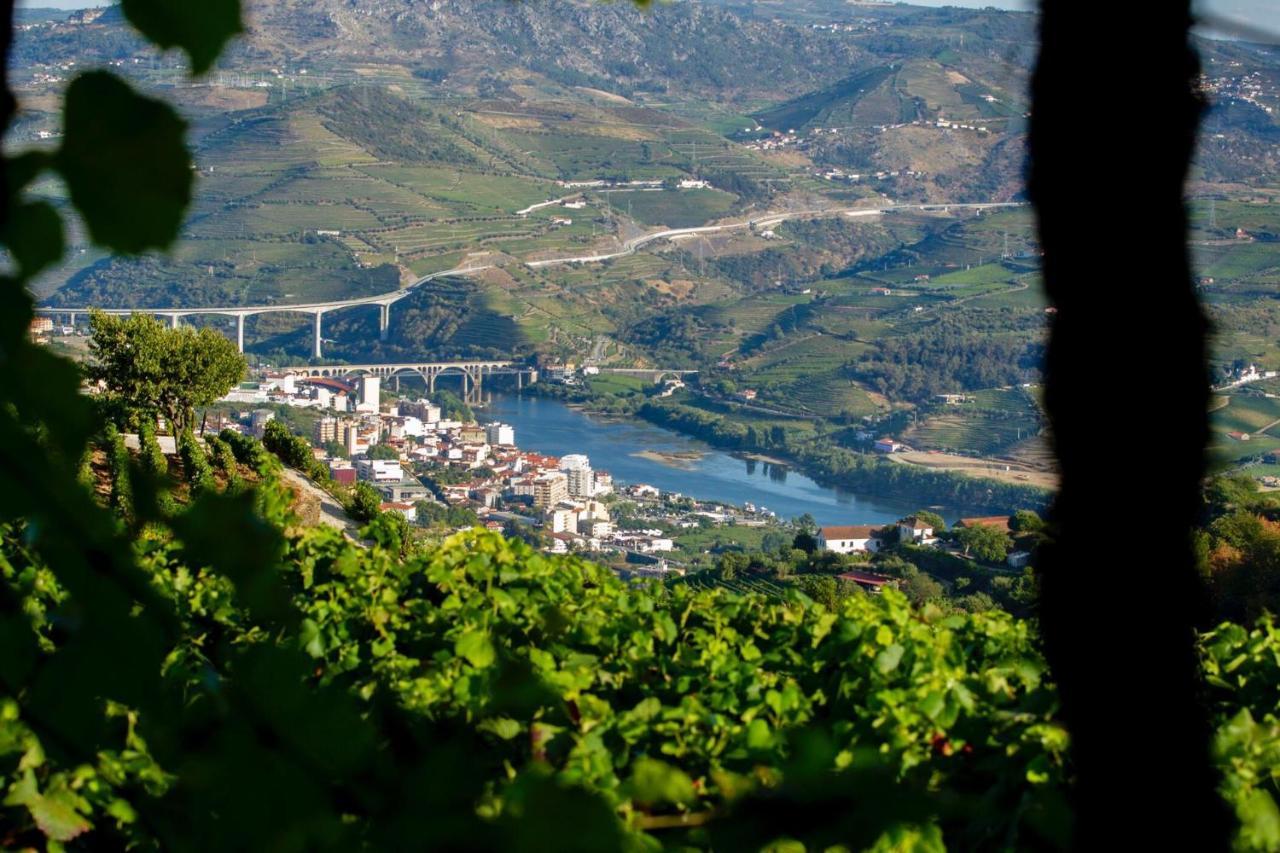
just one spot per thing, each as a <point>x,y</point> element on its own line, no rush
<point>1005,472</point>
<point>675,459</point>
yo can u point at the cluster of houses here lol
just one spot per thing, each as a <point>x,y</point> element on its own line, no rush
<point>1250,88</point>
<point>871,538</point>
<point>363,439</point>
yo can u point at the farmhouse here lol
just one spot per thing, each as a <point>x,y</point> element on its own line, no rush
<point>913,529</point>
<point>887,445</point>
<point>849,539</point>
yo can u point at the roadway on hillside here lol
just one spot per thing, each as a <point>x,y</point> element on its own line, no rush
<point>629,247</point>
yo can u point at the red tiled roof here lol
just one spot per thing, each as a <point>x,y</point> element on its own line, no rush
<point>850,531</point>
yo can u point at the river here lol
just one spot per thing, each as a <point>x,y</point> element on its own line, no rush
<point>700,471</point>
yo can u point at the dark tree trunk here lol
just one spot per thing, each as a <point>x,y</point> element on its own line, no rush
<point>1113,128</point>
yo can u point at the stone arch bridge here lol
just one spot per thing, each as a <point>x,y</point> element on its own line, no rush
<point>472,373</point>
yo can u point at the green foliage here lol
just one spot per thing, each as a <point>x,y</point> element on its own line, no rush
<point>952,355</point>
<point>452,407</point>
<point>118,465</point>
<point>250,453</point>
<point>151,370</point>
<point>984,542</point>
<point>931,519</point>
<point>1026,521</point>
<point>231,680</point>
<point>224,460</point>
<point>293,450</point>
<point>364,503</point>
<point>383,451</point>
<point>152,457</point>
<point>195,464</point>
<point>429,513</point>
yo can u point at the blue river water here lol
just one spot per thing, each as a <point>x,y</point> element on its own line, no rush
<point>549,426</point>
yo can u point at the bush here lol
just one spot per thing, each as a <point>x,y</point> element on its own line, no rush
<point>154,461</point>
<point>293,450</point>
<point>224,460</point>
<point>195,464</point>
<point>250,452</point>
<point>118,461</point>
<point>364,503</point>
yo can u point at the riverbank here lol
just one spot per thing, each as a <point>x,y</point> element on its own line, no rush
<point>841,467</point>
<point>634,451</point>
<point>815,456</point>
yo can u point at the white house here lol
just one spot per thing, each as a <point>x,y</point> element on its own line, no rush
<point>914,530</point>
<point>849,539</point>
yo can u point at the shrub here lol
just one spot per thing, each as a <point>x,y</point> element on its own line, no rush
<point>195,464</point>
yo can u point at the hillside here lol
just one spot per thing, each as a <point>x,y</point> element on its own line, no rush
<point>346,149</point>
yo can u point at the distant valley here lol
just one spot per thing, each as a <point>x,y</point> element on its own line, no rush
<point>348,149</point>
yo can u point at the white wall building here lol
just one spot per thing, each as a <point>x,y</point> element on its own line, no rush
<point>379,470</point>
<point>849,539</point>
<point>577,469</point>
<point>370,394</point>
<point>500,434</point>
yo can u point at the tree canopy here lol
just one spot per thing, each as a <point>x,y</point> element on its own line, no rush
<point>148,369</point>
<point>984,542</point>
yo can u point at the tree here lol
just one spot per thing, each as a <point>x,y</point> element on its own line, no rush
<point>383,451</point>
<point>1026,521</point>
<point>453,408</point>
<point>920,588</point>
<point>931,519</point>
<point>732,563</point>
<point>148,369</point>
<point>984,542</point>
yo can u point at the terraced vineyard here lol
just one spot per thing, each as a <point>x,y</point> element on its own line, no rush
<point>709,580</point>
<point>989,423</point>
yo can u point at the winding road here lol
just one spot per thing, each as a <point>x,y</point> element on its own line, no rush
<point>629,247</point>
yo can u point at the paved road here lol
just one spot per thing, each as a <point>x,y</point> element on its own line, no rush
<point>764,221</point>
<point>628,247</point>
<point>247,310</point>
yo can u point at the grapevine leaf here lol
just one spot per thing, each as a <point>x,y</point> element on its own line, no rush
<point>125,163</point>
<point>888,659</point>
<point>309,638</point>
<point>34,236</point>
<point>201,29</point>
<point>54,812</point>
<point>657,783</point>
<point>758,734</point>
<point>476,647</point>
